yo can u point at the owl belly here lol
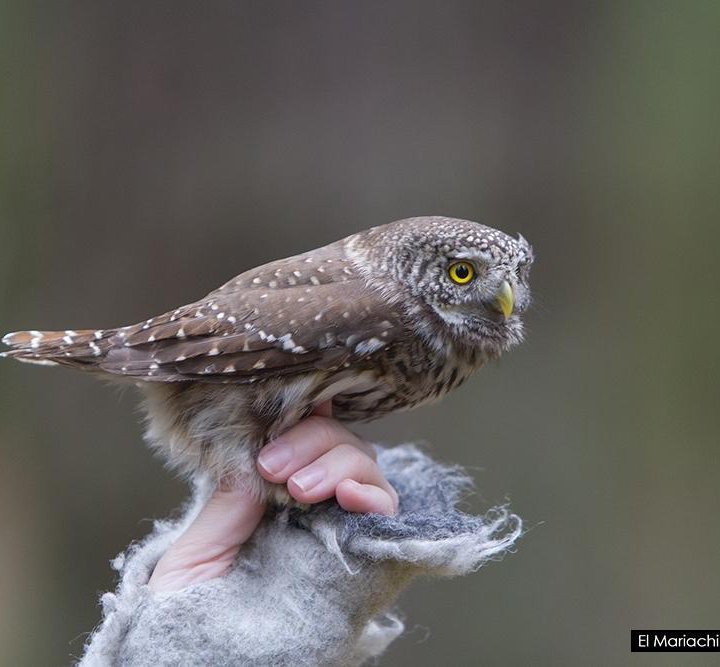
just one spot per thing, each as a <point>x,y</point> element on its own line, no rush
<point>219,429</point>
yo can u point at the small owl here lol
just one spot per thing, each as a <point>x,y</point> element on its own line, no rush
<point>384,320</point>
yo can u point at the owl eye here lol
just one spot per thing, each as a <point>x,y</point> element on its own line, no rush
<point>461,272</point>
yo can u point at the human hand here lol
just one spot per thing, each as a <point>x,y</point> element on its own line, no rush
<point>317,459</point>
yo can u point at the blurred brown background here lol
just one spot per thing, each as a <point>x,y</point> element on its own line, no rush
<point>150,151</point>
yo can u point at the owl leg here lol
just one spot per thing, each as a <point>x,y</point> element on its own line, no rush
<point>220,429</point>
<point>200,428</point>
<point>277,407</point>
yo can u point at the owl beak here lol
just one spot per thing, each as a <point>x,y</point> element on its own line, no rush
<point>504,299</point>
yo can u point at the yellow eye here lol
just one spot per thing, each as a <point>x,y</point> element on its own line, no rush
<point>461,272</point>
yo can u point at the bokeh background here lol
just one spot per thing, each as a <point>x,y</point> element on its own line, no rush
<point>150,151</point>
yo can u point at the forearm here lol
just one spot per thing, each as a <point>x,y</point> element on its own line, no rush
<point>309,588</point>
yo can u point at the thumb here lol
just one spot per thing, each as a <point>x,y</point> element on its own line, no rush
<point>208,547</point>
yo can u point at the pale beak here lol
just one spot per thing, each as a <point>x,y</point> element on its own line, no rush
<point>504,299</point>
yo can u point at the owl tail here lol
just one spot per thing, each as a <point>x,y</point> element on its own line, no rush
<point>50,348</point>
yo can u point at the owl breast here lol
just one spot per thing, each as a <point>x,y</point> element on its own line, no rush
<point>405,377</point>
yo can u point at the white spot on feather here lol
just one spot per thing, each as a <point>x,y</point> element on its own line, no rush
<point>287,342</point>
<point>368,346</point>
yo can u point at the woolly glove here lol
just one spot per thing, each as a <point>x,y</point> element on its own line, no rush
<point>309,588</point>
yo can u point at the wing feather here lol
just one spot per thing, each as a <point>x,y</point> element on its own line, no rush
<point>275,320</point>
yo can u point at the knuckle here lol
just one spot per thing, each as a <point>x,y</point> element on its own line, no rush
<point>352,456</point>
<point>324,430</point>
<point>366,448</point>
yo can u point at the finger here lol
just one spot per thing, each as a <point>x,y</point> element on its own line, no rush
<point>208,547</point>
<point>319,480</point>
<point>364,498</point>
<point>304,443</point>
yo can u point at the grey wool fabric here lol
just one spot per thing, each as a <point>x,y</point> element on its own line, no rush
<point>309,588</point>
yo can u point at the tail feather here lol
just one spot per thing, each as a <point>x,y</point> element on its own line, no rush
<point>75,348</point>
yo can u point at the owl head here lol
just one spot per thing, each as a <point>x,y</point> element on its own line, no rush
<point>472,280</point>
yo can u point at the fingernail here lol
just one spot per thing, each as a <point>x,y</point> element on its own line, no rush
<point>274,458</point>
<point>308,478</point>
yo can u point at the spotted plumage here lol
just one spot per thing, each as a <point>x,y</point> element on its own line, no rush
<point>384,320</point>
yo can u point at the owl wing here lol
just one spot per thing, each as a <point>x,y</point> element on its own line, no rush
<point>313,311</point>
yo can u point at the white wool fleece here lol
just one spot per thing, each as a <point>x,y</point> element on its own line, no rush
<point>309,588</point>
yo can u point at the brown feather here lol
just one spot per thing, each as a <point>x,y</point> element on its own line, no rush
<point>289,316</point>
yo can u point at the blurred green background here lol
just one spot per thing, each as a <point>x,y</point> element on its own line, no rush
<point>150,151</point>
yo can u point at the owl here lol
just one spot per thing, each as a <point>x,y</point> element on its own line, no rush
<point>387,319</point>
